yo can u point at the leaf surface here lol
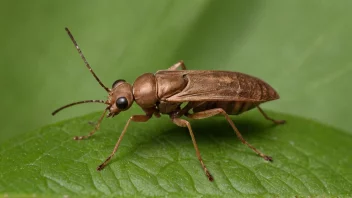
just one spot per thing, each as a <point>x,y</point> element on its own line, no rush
<point>157,159</point>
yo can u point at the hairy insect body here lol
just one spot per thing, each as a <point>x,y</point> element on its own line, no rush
<point>206,94</point>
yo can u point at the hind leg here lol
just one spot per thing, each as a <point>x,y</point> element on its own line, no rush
<point>213,112</point>
<point>268,118</point>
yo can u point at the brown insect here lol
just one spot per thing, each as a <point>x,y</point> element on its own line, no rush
<point>207,93</point>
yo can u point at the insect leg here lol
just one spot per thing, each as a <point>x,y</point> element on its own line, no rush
<point>135,118</point>
<point>94,130</point>
<point>213,112</point>
<point>177,65</point>
<point>268,118</point>
<point>184,123</point>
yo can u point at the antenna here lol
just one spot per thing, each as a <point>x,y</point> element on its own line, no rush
<point>76,103</point>
<point>85,60</point>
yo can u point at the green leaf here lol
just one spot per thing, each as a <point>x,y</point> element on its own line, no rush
<point>157,159</point>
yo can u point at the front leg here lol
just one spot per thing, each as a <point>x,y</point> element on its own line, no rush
<point>177,65</point>
<point>97,125</point>
<point>135,118</point>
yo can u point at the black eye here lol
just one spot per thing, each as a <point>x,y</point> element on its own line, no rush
<point>122,103</point>
<point>117,81</point>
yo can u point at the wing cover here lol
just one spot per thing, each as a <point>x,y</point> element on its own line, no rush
<point>207,85</point>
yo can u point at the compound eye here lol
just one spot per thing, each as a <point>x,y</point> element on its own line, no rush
<point>117,81</point>
<point>122,103</point>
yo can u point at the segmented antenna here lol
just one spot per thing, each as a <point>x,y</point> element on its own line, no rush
<point>76,103</point>
<point>85,61</point>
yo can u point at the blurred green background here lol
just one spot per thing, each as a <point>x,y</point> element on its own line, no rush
<point>302,48</point>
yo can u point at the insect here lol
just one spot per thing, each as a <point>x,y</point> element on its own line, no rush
<point>206,94</point>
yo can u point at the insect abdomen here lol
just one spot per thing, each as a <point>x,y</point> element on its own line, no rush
<point>239,107</point>
<point>231,107</point>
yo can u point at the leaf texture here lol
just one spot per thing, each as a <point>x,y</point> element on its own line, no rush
<point>158,159</point>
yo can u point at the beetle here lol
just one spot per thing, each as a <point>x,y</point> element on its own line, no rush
<point>206,94</point>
